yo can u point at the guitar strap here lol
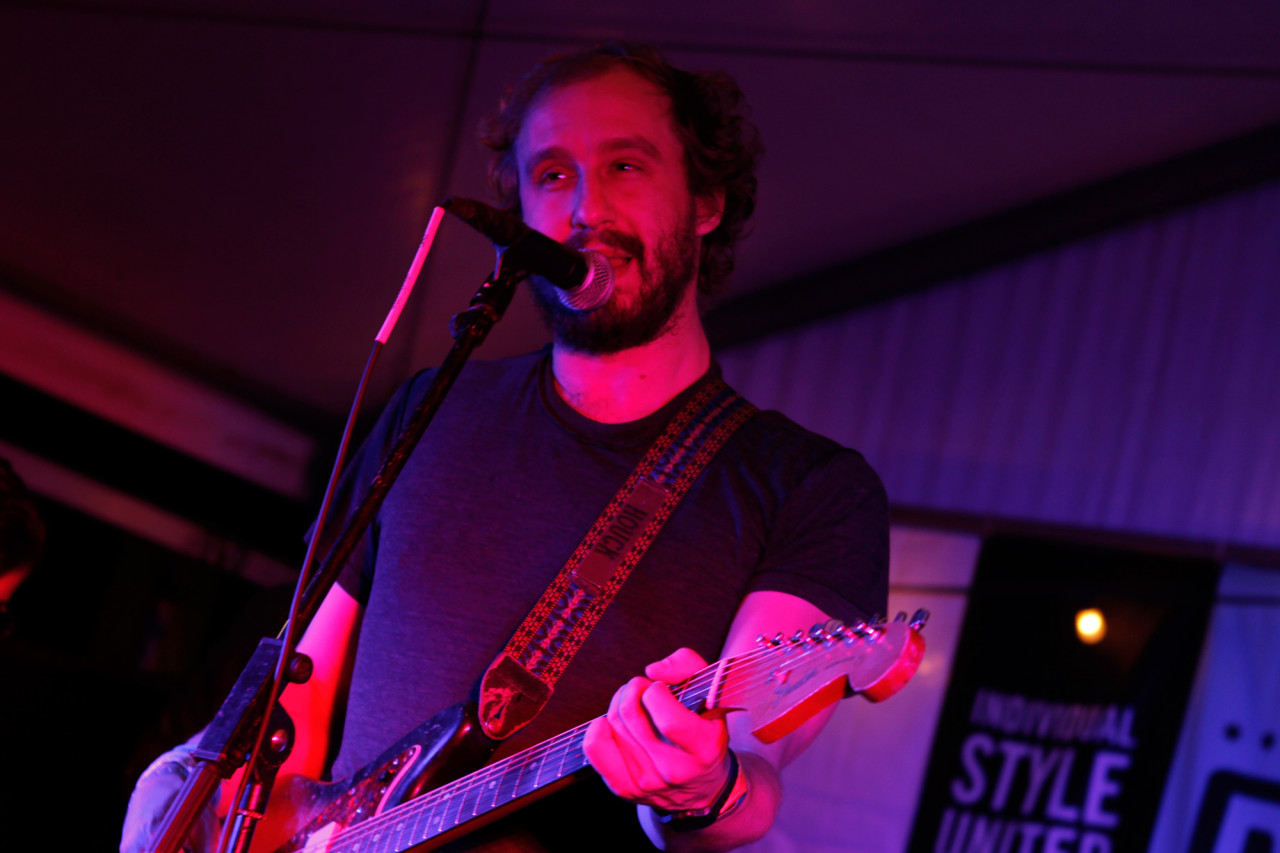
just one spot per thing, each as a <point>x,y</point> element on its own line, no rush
<point>522,677</point>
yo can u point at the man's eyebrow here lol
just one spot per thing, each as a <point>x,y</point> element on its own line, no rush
<point>551,152</point>
<point>632,143</point>
<point>615,145</point>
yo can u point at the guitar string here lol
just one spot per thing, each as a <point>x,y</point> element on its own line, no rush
<point>559,747</point>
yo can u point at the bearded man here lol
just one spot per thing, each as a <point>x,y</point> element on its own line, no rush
<point>614,150</point>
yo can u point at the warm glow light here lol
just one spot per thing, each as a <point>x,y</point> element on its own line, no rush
<point>1090,626</point>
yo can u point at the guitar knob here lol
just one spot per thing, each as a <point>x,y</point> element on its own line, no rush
<point>279,742</point>
<point>299,669</point>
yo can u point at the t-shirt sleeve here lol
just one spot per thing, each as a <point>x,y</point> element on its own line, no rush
<point>830,545</point>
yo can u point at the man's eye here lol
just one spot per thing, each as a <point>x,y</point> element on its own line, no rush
<point>551,176</point>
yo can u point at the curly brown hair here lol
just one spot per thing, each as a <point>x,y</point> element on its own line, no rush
<point>710,115</point>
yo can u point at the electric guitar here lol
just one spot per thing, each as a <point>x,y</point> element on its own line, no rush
<point>410,797</point>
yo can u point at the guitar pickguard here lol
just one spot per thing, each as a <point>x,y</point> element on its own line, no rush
<point>444,748</point>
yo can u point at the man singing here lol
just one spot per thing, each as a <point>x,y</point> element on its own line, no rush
<point>609,149</point>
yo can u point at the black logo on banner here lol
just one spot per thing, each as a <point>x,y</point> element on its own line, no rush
<point>1240,814</point>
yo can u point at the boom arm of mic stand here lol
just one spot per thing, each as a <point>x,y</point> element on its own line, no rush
<point>226,742</point>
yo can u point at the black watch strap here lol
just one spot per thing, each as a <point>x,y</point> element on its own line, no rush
<point>690,819</point>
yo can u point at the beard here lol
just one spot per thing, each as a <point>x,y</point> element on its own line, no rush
<point>665,274</point>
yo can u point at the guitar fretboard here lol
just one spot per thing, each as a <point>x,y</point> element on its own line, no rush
<point>488,789</point>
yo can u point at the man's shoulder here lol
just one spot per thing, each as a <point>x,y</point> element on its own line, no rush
<point>772,442</point>
<point>774,432</point>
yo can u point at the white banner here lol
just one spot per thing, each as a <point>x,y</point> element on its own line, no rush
<point>1223,794</point>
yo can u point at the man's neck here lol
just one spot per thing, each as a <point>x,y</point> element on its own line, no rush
<point>629,385</point>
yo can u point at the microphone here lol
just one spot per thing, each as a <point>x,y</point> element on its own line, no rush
<point>584,280</point>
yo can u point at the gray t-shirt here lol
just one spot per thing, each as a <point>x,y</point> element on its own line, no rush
<point>499,492</point>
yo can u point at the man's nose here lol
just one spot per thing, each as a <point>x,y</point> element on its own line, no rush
<point>591,205</point>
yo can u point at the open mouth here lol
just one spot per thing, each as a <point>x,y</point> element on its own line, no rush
<point>618,262</point>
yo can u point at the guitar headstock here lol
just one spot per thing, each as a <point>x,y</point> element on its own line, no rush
<point>789,679</point>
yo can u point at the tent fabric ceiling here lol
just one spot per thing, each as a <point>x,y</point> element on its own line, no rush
<point>237,187</point>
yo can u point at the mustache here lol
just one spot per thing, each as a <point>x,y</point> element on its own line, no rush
<point>610,237</point>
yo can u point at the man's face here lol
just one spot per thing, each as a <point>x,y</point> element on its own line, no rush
<point>601,168</point>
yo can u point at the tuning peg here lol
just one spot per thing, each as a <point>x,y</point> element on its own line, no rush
<point>874,628</point>
<point>919,618</point>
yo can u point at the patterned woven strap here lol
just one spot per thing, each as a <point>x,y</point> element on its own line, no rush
<point>520,680</point>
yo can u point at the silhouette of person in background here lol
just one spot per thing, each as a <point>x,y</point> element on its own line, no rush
<point>21,539</point>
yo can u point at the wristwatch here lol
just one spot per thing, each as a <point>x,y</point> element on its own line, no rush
<point>726,801</point>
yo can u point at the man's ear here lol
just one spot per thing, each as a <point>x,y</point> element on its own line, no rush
<point>708,211</point>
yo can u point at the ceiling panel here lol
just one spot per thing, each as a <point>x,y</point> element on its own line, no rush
<point>865,156</point>
<point>1239,35</point>
<point>428,16</point>
<point>234,190</point>
<point>238,187</point>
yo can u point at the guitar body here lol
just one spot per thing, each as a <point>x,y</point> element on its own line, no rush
<point>448,746</point>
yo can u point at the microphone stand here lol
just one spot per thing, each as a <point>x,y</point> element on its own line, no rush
<point>230,738</point>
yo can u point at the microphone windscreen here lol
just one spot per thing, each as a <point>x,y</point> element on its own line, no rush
<point>595,290</point>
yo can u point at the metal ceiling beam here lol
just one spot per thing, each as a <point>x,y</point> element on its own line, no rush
<point>1131,197</point>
